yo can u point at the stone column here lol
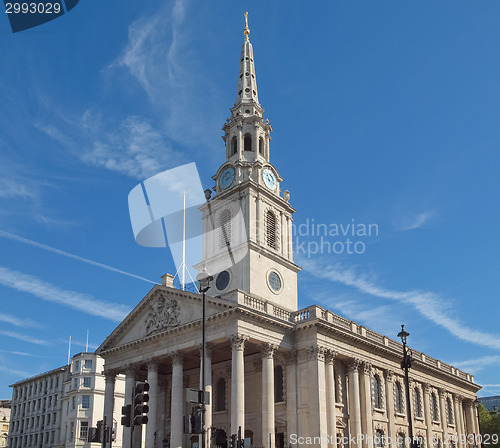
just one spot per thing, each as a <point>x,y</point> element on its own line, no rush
<point>268,423</point>
<point>291,394</point>
<point>129,393</point>
<point>366,404</point>
<point>318,426</point>
<point>427,412</point>
<point>208,389</point>
<point>354,400</point>
<point>469,418</point>
<point>238,384</point>
<point>458,421</point>
<point>177,403</point>
<point>153,403</point>
<point>330,387</point>
<point>442,410</point>
<point>109,398</point>
<point>391,414</point>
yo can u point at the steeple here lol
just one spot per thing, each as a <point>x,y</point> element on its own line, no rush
<point>247,134</point>
<point>247,83</point>
<point>247,233</point>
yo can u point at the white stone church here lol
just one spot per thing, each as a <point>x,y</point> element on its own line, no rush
<point>286,377</point>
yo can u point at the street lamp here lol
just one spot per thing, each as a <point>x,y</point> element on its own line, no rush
<point>405,365</point>
<point>204,282</point>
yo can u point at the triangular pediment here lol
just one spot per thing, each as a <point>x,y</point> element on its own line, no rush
<point>161,310</point>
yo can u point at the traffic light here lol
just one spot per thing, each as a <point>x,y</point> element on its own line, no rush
<point>140,406</point>
<point>126,411</point>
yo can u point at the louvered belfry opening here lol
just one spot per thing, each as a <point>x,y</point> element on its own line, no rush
<point>271,229</point>
<point>225,228</point>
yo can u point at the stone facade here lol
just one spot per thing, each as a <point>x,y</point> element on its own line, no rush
<point>4,422</point>
<point>56,409</point>
<point>284,376</point>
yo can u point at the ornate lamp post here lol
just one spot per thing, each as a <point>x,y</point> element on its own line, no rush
<point>405,365</point>
<point>204,282</point>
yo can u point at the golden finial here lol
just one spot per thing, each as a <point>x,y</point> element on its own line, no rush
<point>247,30</point>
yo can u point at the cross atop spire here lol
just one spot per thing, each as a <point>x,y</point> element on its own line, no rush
<point>247,83</point>
<point>247,30</point>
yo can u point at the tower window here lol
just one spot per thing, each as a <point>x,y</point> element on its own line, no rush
<point>434,407</point>
<point>450,411</point>
<point>271,229</point>
<point>247,143</point>
<point>399,398</point>
<point>225,228</point>
<point>278,384</point>
<point>220,402</point>
<point>377,392</point>
<point>234,146</point>
<point>261,146</point>
<point>418,403</point>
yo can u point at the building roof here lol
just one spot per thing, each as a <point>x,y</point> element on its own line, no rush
<point>40,375</point>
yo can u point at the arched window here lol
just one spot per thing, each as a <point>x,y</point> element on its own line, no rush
<point>220,402</point>
<point>278,384</point>
<point>225,229</point>
<point>377,392</point>
<point>418,402</point>
<point>434,407</point>
<point>247,146</point>
<point>234,146</point>
<point>379,438</point>
<point>271,229</point>
<point>399,398</point>
<point>449,408</point>
<point>261,146</point>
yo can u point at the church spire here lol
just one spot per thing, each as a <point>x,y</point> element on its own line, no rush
<point>247,134</point>
<point>247,83</point>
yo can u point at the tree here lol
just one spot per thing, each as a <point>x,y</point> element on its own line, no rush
<point>489,425</point>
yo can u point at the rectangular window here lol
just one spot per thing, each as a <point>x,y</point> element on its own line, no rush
<point>87,381</point>
<point>75,383</point>
<point>85,401</point>
<point>88,364</point>
<point>84,430</point>
<point>76,366</point>
<point>72,431</point>
<point>73,403</point>
<point>57,381</point>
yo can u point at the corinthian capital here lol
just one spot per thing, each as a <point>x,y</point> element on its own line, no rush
<point>330,356</point>
<point>267,349</point>
<point>238,342</point>
<point>315,352</point>
<point>354,364</point>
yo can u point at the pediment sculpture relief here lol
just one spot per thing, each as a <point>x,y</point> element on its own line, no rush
<point>164,314</point>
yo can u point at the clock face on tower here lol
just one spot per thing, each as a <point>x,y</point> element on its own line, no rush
<point>269,179</point>
<point>226,178</point>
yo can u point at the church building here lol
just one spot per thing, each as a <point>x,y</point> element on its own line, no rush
<point>284,376</point>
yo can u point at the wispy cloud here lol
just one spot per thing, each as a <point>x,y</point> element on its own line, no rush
<point>10,352</point>
<point>18,322</point>
<point>476,364</point>
<point>24,337</point>
<point>415,221</point>
<point>51,293</point>
<point>134,147</point>
<point>158,56</point>
<point>430,305</point>
<point>16,372</point>
<point>11,188</point>
<point>14,237</point>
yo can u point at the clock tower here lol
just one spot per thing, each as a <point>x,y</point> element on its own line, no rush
<point>247,226</point>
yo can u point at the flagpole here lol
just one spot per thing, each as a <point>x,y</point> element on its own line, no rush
<point>184,244</point>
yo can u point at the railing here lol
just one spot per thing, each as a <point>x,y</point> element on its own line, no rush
<point>317,312</point>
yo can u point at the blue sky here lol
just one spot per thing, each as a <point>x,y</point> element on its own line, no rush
<point>383,112</point>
